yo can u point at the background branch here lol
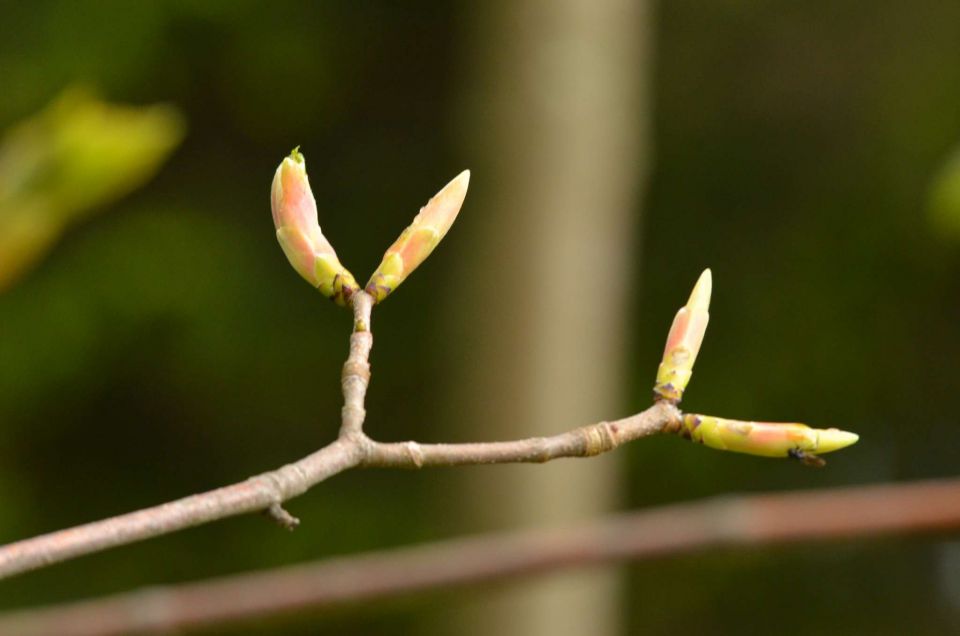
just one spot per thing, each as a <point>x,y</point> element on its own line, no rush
<point>729,521</point>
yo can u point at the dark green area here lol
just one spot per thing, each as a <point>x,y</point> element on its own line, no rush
<point>166,347</point>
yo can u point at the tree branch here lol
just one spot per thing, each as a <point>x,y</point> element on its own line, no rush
<point>676,529</point>
<point>356,370</point>
<point>256,494</point>
<point>582,442</point>
<point>268,491</point>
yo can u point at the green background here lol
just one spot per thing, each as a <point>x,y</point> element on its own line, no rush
<point>165,347</point>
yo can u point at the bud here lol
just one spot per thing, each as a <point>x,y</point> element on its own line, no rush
<point>684,340</point>
<point>418,240</point>
<point>767,439</point>
<point>307,249</point>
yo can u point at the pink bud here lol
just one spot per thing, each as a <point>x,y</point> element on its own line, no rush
<point>684,340</point>
<point>298,231</point>
<point>419,239</point>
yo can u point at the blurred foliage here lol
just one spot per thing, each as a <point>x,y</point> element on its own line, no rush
<point>76,155</point>
<point>167,347</point>
<point>945,198</point>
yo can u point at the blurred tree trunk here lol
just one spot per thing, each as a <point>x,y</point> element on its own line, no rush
<point>557,122</point>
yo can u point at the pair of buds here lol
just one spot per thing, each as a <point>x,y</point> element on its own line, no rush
<point>312,256</point>
<point>768,439</point>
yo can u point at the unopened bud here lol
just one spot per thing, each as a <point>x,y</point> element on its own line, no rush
<point>767,439</point>
<point>307,249</point>
<point>417,241</point>
<point>684,340</point>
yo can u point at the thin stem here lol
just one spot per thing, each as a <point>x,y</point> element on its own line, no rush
<point>356,370</point>
<point>268,491</point>
<point>744,521</point>
<point>581,442</point>
<point>253,495</point>
<point>264,492</point>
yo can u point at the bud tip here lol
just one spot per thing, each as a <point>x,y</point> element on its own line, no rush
<point>700,296</point>
<point>832,439</point>
<point>452,195</point>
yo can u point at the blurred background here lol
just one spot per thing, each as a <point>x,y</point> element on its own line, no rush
<point>155,343</point>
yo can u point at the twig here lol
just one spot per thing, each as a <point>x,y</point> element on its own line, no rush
<point>352,448</point>
<point>677,529</point>
<point>582,442</point>
<point>356,370</point>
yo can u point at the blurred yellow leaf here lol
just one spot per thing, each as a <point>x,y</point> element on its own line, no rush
<point>76,155</point>
<point>945,199</point>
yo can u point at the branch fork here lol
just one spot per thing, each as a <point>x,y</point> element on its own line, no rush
<point>312,256</point>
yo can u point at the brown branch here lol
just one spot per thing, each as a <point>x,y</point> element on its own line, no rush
<point>253,495</point>
<point>264,492</point>
<point>352,448</point>
<point>582,442</point>
<point>356,370</point>
<point>677,529</point>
